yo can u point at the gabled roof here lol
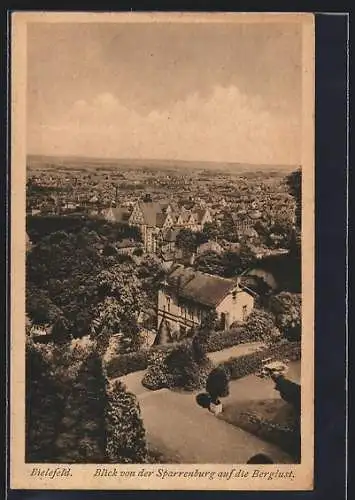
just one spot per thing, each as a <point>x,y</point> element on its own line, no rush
<point>150,211</point>
<point>120,214</point>
<point>206,289</point>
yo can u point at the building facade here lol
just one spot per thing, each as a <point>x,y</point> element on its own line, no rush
<point>187,296</point>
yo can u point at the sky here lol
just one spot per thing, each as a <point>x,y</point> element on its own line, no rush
<point>226,92</point>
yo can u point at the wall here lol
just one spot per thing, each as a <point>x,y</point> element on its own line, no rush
<point>234,307</point>
<point>176,315</point>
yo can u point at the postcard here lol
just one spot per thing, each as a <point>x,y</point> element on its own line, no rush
<point>162,251</point>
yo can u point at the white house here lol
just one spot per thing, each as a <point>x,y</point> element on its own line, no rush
<point>187,296</point>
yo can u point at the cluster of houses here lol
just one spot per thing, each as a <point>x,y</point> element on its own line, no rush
<point>159,222</point>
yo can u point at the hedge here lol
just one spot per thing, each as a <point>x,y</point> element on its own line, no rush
<point>127,363</point>
<point>250,363</point>
<point>229,338</point>
<point>126,440</point>
<point>123,364</point>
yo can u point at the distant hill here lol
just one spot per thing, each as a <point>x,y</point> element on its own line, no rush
<point>112,163</point>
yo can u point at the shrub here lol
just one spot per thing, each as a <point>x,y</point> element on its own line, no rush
<point>82,433</point>
<point>43,407</point>
<point>125,432</point>
<point>158,376</point>
<point>203,399</point>
<point>251,363</point>
<point>222,340</point>
<point>287,309</point>
<point>217,385</point>
<point>177,365</point>
<point>260,325</point>
<point>188,366</point>
<point>138,252</point>
<point>127,363</point>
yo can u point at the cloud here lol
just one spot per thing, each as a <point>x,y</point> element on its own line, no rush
<point>227,126</point>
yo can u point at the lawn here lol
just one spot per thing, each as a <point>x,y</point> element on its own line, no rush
<point>270,419</point>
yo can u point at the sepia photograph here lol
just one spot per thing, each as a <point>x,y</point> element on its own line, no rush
<point>162,280</point>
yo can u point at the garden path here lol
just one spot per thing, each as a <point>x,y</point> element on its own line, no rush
<point>179,428</point>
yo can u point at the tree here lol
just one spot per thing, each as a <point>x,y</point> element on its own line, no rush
<point>64,268</point>
<point>247,258</point>
<point>211,230</point>
<point>186,241</point>
<point>39,307</point>
<point>43,407</point>
<point>294,183</point>
<point>211,263</point>
<point>287,308</point>
<point>122,300</point>
<point>228,230</point>
<point>260,325</point>
<point>125,432</point>
<point>60,330</point>
<point>82,436</point>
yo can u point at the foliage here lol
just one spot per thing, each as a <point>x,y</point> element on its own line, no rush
<point>125,432</point>
<point>157,375</point>
<point>177,365</point>
<point>188,366</point>
<point>208,321</point>
<point>68,278</point>
<point>43,403</point>
<point>211,263</point>
<point>38,227</point>
<point>82,433</point>
<point>138,252</point>
<point>290,392</point>
<point>127,363</point>
<point>260,325</point>
<point>228,230</point>
<point>211,230</point>
<point>251,363</point>
<point>60,330</point>
<point>287,308</point>
<point>122,364</point>
<point>73,415</point>
<point>63,268</point>
<point>40,307</point>
<point>217,341</point>
<point>217,384</point>
<point>186,241</point>
<point>228,264</point>
<point>294,183</point>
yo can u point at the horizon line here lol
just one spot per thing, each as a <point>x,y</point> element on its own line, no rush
<point>115,158</point>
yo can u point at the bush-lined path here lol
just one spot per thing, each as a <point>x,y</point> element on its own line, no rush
<point>179,428</point>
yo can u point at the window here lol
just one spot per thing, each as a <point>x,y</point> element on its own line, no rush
<point>182,331</point>
<point>234,295</point>
<point>245,313</point>
<point>168,301</point>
